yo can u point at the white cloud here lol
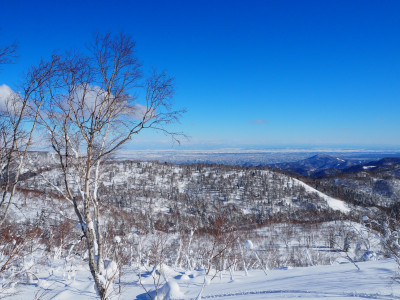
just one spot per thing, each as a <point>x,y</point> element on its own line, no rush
<point>94,96</point>
<point>138,111</point>
<point>5,93</point>
<point>9,100</point>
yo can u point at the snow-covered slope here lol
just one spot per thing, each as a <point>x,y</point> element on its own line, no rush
<point>340,281</point>
<point>333,203</point>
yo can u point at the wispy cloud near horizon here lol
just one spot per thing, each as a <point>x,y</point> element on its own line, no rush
<point>257,122</point>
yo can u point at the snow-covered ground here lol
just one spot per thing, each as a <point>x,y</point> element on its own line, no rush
<point>333,203</point>
<point>284,245</point>
<point>338,281</point>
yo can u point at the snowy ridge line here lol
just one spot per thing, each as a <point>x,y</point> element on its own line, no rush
<point>333,203</point>
<point>314,293</point>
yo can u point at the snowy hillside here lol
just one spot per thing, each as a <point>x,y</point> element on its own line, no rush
<point>174,231</point>
<point>252,196</point>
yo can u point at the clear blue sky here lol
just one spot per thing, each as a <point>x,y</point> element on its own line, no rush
<point>249,72</point>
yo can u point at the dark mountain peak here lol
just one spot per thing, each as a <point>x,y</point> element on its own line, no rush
<point>317,156</point>
<point>324,157</point>
<point>388,161</point>
<point>321,160</point>
<point>316,165</point>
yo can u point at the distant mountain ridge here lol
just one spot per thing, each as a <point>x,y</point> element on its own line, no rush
<point>317,165</point>
<point>322,165</point>
<point>384,164</point>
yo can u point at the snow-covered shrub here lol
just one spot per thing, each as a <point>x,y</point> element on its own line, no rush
<point>249,244</point>
<point>17,244</point>
<point>369,255</point>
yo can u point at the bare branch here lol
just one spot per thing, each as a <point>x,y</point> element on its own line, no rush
<point>8,54</point>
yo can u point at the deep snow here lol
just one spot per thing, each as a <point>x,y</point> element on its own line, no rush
<point>338,281</point>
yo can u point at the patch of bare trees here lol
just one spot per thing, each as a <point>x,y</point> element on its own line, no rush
<point>19,112</point>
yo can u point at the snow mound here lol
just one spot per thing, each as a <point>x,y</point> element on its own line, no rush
<point>171,291</point>
<point>184,277</point>
<point>168,272</point>
<point>249,244</point>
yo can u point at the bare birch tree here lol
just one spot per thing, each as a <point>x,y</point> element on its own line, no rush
<point>90,116</point>
<point>19,113</point>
